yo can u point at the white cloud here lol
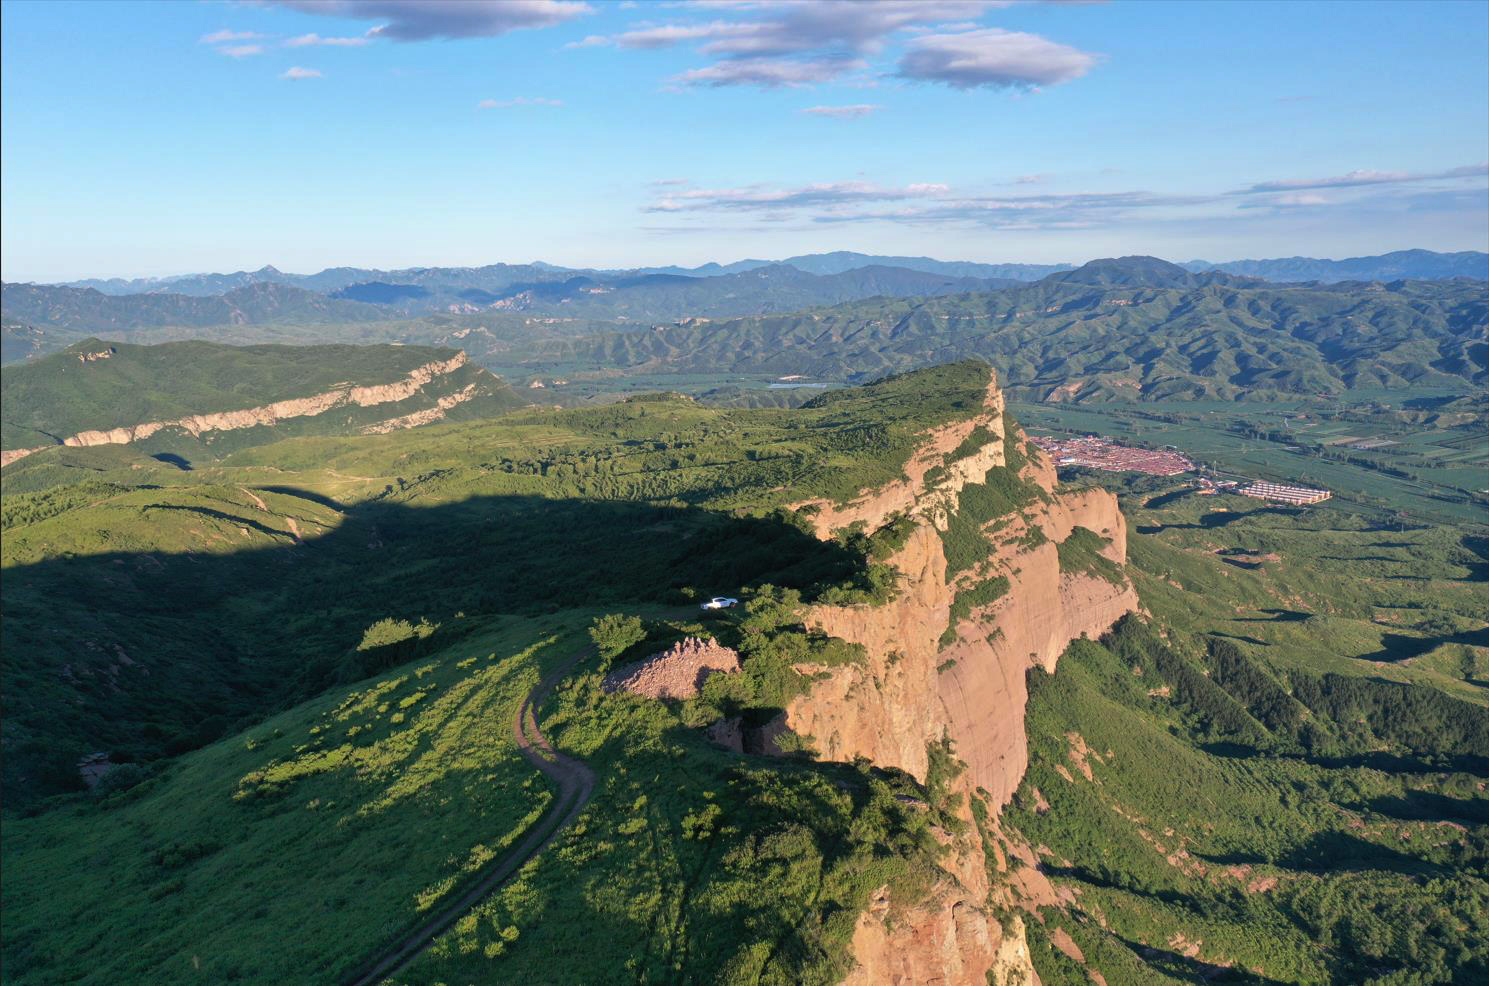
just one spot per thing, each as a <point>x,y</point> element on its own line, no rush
<point>774,43</point>
<point>992,58</point>
<point>424,20</point>
<point>240,51</point>
<point>851,112</point>
<point>308,40</point>
<point>500,104</point>
<point>296,72</point>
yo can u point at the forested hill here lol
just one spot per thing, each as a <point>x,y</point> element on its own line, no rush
<point>1137,327</point>
<point>107,393</point>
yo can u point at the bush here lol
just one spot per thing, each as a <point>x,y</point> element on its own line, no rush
<point>615,633</point>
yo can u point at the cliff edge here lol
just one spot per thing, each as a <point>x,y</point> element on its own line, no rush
<point>997,572</point>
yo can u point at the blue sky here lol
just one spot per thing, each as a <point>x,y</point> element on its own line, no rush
<point>146,139</point>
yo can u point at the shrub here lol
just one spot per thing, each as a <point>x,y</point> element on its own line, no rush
<point>615,633</point>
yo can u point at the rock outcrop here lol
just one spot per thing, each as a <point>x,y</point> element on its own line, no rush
<point>924,680</point>
<point>299,407</point>
<point>677,672</point>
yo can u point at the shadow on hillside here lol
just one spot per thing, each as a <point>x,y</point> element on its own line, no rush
<point>1429,806</point>
<point>1193,969</point>
<point>1397,647</point>
<point>1218,518</point>
<point>1390,763</point>
<point>1331,852</point>
<point>148,654</point>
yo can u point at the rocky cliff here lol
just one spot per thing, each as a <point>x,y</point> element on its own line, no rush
<point>931,675</point>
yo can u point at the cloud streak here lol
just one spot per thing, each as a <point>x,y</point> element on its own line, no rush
<point>297,72</point>
<point>935,204</point>
<point>1358,179</point>
<point>427,20</point>
<point>501,104</point>
<point>310,40</point>
<point>851,112</point>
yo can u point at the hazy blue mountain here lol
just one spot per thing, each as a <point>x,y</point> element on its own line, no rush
<point>1400,265</point>
<point>627,297</point>
<point>91,310</point>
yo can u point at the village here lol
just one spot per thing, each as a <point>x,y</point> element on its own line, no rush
<point>1094,452</point>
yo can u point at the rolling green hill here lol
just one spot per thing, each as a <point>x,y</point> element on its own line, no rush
<point>97,386</point>
<point>1136,328</point>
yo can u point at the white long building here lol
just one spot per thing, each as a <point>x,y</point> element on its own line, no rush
<point>1284,494</point>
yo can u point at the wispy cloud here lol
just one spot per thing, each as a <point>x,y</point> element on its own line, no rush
<point>851,112</point>
<point>769,73</point>
<point>992,58</point>
<point>501,104</point>
<point>297,72</point>
<point>310,40</point>
<point>1356,179</point>
<point>934,204</point>
<point>759,198</point>
<point>225,35</point>
<point>230,43</point>
<point>424,20</point>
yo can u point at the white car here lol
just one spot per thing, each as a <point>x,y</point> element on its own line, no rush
<point>719,602</point>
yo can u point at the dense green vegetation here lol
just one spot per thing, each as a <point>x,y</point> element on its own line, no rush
<point>1362,857</point>
<point>303,659</point>
<point>1130,329</point>
<point>154,609</point>
<point>211,631</point>
<point>1290,758</point>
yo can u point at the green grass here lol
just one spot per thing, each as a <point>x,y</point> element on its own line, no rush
<point>335,825</point>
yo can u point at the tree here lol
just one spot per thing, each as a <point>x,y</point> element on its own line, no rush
<point>615,633</point>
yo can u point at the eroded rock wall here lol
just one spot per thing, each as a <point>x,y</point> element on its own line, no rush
<point>919,683</point>
<point>299,407</point>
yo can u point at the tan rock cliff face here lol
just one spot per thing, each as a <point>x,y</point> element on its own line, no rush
<point>268,414</point>
<point>911,691</point>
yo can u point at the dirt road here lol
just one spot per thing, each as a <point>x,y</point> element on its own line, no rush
<point>575,784</point>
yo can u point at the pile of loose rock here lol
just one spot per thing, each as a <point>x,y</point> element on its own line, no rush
<point>677,672</point>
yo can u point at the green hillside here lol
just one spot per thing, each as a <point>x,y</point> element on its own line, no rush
<point>305,658</point>
<point>97,385</point>
<point>214,631</point>
<point>1135,328</point>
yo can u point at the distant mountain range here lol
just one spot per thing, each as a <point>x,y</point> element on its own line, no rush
<point>1128,328</point>
<point>627,297</point>
<point>1401,265</point>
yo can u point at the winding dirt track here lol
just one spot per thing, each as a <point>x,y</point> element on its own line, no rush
<point>575,785</point>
